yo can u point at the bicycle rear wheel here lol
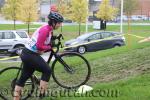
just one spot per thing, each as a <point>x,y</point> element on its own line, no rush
<point>7,83</point>
<point>79,75</point>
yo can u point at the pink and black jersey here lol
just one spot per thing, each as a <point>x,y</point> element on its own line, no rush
<point>40,40</point>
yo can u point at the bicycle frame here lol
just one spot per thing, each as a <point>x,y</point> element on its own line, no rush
<point>57,56</point>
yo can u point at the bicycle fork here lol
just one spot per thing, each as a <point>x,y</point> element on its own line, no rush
<point>66,66</point>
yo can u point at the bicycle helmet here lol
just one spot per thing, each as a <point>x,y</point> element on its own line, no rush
<point>55,16</point>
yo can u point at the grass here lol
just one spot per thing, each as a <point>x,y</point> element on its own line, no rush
<point>133,88</point>
<point>126,72</point>
<point>125,69</point>
<point>4,64</point>
<point>74,28</point>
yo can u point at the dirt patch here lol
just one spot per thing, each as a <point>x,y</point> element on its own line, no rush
<point>124,73</point>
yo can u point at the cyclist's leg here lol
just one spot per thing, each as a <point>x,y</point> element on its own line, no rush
<point>17,92</point>
<point>35,61</point>
<point>26,73</point>
<point>43,67</point>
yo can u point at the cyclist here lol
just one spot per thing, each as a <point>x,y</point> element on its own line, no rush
<point>37,45</point>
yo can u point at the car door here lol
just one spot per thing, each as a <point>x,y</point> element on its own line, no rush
<point>93,43</point>
<point>8,40</point>
<point>107,41</point>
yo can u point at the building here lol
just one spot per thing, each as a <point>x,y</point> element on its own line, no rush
<point>45,8</point>
<point>144,8</point>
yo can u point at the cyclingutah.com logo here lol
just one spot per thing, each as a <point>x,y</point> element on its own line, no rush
<point>110,93</point>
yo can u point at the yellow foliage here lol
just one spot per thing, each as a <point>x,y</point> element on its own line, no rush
<point>78,10</point>
<point>106,11</point>
<point>28,10</point>
<point>63,7</point>
<point>10,9</point>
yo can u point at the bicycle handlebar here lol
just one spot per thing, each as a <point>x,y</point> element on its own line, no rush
<point>59,44</point>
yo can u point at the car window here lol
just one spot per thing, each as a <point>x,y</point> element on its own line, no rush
<point>106,35</point>
<point>9,35</point>
<point>95,37</point>
<point>22,34</point>
<point>1,35</point>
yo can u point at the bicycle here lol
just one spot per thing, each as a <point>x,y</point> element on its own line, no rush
<point>69,70</point>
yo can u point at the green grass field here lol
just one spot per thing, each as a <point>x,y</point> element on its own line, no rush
<point>124,69</point>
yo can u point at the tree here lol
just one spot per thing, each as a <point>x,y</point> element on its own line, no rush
<point>106,12</point>
<point>63,8</point>
<point>28,11</point>
<point>9,10</point>
<point>129,7</point>
<point>1,4</point>
<point>78,11</point>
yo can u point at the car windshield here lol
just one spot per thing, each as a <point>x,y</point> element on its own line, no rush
<point>82,37</point>
<point>22,34</point>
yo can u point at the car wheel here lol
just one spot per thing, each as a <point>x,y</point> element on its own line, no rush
<point>116,46</point>
<point>82,49</point>
<point>17,47</point>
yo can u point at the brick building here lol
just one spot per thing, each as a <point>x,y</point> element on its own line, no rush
<point>144,8</point>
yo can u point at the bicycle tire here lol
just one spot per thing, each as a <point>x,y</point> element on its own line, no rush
<point>70,56</point>
<point>12,84</point>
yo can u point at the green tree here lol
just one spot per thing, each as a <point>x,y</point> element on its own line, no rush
<point>106,12</point>
<point>78,12</point>
<point>9,10</point>
<point>28,11</point>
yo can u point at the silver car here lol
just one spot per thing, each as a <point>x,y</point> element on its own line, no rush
<point>10,39</point>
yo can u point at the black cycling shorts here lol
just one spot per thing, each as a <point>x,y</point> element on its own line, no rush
<point>33,61</point>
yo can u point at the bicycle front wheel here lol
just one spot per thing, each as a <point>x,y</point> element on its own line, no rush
<point>8,78</point>
<point>79,74</point>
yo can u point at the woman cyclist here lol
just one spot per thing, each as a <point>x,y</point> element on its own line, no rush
<point>37,45</point>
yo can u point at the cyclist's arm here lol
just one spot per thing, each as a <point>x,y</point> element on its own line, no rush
<point>43,33</point>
